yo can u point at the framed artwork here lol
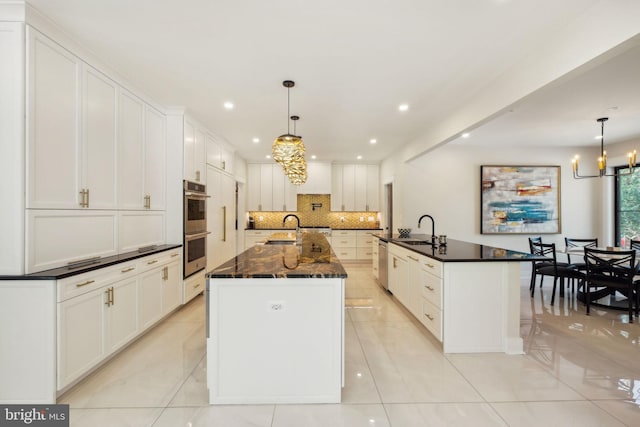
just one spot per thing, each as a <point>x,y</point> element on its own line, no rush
<point>520,200</point>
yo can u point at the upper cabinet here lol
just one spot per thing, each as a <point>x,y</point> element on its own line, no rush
<point>355,188</point>
<point>142,155</point>
<point>53,147</point>
<point>218,155</point>
<point>194,152</point>
<point>269,188</point>
<point>318,179</point>
<point>90,144</point>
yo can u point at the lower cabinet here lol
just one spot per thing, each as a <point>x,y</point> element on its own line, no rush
<point>101,311</point>
<point>193,286</point>
<point>416,281</point>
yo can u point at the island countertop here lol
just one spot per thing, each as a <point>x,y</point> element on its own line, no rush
<point>457,250</point>
<point>313,258</point>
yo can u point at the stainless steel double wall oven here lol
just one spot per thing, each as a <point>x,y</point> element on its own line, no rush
<point>195,227</point>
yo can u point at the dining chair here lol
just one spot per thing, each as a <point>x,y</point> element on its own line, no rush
<point>571,243</point>
<point>553,268</point>
<point>635,244</point>
<point>612,270</point>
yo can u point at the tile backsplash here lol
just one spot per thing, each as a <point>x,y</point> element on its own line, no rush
<point>314,210</point>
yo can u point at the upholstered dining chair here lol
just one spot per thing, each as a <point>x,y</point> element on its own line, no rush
<point>615,271</point>
<point>553,268</point>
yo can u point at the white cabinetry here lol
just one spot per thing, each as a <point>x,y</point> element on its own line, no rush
<point>139,229</point>
<point>194,285</point>
<point>142,155</point>
<point>354,188</point>
<point>53,129</point>
<point>344,244</point>
<point>398,273</point>
<point>218,155</point>
<point>58,237</point>
<point>254,237</point>
<point>221,243</point>
<point>269,188</point>
<point>318,179</point>
<point>375,267</point>
<point>101,311</point>
<point>194,152</point>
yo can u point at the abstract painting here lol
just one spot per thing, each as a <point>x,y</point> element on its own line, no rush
<point>520,199</point>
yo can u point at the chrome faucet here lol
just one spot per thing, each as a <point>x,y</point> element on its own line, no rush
<point>433,227</point>
<point>293,215</point>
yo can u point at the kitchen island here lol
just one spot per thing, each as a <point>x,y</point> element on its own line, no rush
<point>467,295</point>
<point>275,324</point>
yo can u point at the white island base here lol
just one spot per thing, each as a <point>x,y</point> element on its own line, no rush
<point>275,340</point>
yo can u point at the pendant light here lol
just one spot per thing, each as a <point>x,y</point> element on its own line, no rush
<point>602,160</point>
<point>296,168</point>
<point>287,146</point>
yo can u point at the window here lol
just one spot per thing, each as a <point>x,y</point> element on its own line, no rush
<point>627,206</point>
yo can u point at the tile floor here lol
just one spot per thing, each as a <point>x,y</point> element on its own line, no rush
<point>577,370</point>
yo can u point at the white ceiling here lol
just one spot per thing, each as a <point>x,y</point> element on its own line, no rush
<point>354,62</point>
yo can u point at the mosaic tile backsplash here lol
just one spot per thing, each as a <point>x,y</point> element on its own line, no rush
<point>314,210</point>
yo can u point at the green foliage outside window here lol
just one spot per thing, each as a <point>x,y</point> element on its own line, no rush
<point>627,207</point>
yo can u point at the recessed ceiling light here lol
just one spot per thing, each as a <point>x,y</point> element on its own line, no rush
<point>268,156</point>
<point>359,157</point>
<point>598,137</point>
<point>465,135</point>
<point>313,157</point>
<point>256,140</point>
<point>403,107</point>
<point>228,105</point>
<point>373,141</point>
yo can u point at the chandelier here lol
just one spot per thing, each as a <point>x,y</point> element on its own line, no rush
<point>602,160</point>
<point>288,149</point>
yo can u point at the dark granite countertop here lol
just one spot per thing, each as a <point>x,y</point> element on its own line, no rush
<point>457,250</point>
<point>313,258</point>
<point>314,226</point>
<point>62,272</point>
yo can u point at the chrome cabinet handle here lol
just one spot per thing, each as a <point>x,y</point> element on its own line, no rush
<point>88,282</point>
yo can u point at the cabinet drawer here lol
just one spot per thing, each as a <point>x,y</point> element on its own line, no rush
<point>431,288</point>
<point>432,318</point>
<point>343,241</point>
<point>343,233</point>
<point>365,239</point>
<point>431,265</point>
<point>77,285</point>
<point>156,260</point>
<point>345,253</point>
<point>192,287</point>
<point>365,254</point>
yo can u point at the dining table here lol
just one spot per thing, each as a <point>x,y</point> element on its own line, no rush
<point>604,297</point>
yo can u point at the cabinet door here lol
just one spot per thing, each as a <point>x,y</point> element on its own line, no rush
<point>140,229</point>
<point>213,152</point>
<point>414,286</point>
<point>253,187</point>
<point>337,203</point>
<point>150,298</point>
<point>349,187</point>
<point>360,187</point>
<point>398,277</point>
<point>155,158</point>
<point>290,196</point>
<point>80,335</point>
<point>131,152</point>
<point>200,155</point>
<point>214,217</point>
<point>190,152</point>
<point>171,287</point>
<point>228,191</point>
<point>279,180</point>
<point>121,314</point>
<point>99,140</point>
<point>226,159</point>
<point>53,150</point>
<point>373,188</point>
<point>266,186</point>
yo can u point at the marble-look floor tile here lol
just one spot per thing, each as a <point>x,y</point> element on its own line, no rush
<point>194,391</point>
<point>443,415</point>
<point>359,385</point>
<point>500,377</point>
<point>570,413</point>
<point>217,416</point>
<point>627,411</point>
<point>110,417</point>
<point>330,415</point>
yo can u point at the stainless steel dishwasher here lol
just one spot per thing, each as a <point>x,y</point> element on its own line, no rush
<point>382,265</point>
